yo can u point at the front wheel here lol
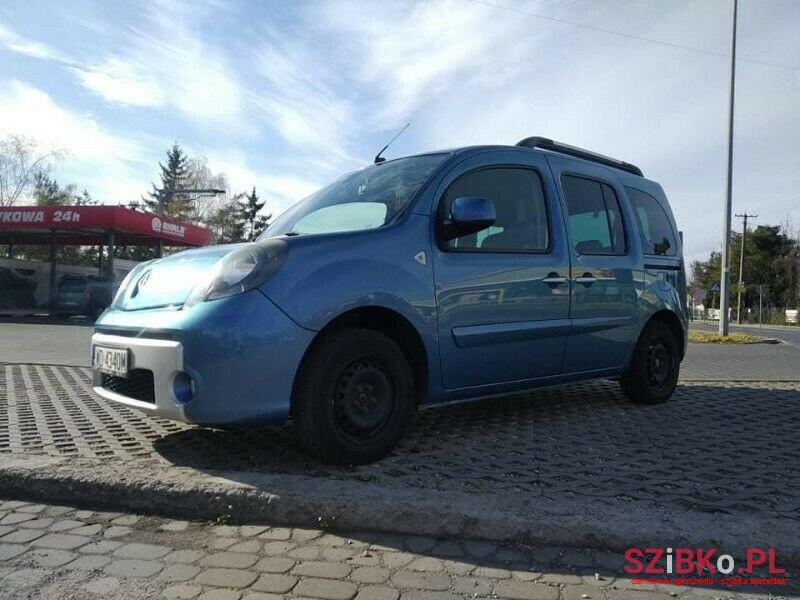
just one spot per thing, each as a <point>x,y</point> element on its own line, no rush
<point>354,397</point>
<point>653,372</point>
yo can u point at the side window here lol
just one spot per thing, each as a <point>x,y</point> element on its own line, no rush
<point>595,222</point>
<point>654,225</point>
<point>518,198</point>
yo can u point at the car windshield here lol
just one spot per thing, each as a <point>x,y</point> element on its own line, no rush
<point>365,199</point>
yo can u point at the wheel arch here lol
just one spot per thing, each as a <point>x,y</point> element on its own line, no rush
<point>671,320</point>
<point>392,324</point>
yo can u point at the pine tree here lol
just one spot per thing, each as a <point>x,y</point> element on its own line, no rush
<point>252,222</point>
<point>166,199</point>
<point>226,222</point>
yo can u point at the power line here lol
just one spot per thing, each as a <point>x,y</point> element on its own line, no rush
<point>630,36</point>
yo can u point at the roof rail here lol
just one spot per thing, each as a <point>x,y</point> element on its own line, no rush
<point>548,144</point>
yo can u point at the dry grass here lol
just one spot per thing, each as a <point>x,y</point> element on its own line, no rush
<point>706,337</point>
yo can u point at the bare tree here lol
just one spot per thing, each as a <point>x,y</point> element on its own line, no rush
<point>200,177</point>
<point>20,162</point>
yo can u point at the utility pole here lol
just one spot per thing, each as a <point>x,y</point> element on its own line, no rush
<point>744,216</point>
<point>726,238</point>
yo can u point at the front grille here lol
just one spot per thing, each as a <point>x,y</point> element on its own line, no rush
<point>138,385</point>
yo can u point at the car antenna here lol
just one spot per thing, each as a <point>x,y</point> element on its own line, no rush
<point>378,158</point>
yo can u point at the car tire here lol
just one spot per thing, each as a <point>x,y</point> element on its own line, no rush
<point>655,365</point>
<point>353,398</point>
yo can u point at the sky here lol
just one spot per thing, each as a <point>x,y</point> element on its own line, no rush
<point>287,96</point>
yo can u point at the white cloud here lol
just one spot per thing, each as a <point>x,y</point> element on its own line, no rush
<point>108,165</point>
<point>16,43</point>
<point>119,80</point>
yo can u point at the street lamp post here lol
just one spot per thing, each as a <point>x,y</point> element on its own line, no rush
<point>726,236</point>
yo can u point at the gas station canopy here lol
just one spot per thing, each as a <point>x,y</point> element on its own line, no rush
<point>94,225</point>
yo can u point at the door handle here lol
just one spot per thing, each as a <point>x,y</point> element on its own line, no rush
<point>554,279</point>
<point>586,279</point>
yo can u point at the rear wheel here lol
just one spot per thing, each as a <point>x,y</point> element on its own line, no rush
<point>354,397</point>
<point>653,372</point>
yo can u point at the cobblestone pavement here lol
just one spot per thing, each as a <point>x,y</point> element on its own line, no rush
<point>56,552</point>
<point>741,362</point>
<point>714,447</point>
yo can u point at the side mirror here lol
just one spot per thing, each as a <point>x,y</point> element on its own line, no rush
<point>468,214</point>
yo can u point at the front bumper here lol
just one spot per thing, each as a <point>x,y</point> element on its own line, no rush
<point>241,353</point>
<point>162,358</point>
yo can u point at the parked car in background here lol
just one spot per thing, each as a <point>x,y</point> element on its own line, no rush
<point>17,290</point>
<point>433,278</point>
<point>82,295</point>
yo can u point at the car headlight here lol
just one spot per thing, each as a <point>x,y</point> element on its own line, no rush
<point>240,271</point>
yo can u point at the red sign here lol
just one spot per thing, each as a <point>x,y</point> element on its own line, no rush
<point>107,218</point>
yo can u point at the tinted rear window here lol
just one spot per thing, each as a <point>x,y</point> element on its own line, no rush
<point>73,286</point>
<point>654,225</point>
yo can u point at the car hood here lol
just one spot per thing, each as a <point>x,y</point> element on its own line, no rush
<point>167,282</point>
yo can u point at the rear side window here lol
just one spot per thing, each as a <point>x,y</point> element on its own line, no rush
<point>518,198</point>
<point>654,225</point>
<point>595,222</point>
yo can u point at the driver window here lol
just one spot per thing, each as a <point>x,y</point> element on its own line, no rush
<point>518,198</point>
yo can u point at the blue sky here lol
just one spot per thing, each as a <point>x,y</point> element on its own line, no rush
<point>288,95</point>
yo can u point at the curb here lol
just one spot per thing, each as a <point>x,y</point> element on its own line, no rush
<point>179,492</point>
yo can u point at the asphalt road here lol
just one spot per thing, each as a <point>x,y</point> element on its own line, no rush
<point>42,341</point>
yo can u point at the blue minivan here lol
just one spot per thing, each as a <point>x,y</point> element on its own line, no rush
<point>433,278</point>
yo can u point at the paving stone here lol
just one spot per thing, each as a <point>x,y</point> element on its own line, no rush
<point>231,578</point>
<point>472,586</point>
<point>42,523</point>
<point>225,531</point>
<point>311,552</point>
<point>15,518</point>
<point>374,592</point>
<point>179,572</point>
<point>12,504</point>
<point>276,534</point>
<point>83,515</point>
<point>395,560</point>
<point>142,551</point>
<point>277,548</point>
<point>181,592</point>
<point>325,588</point>
<point>492,573</point>
<point>580,592</point>
<point>127,520</point>
<point>116,531</point>
<point>248,546</point>
<point>420,580</point>
<point>370,575</point>
<point>561,578</point>
<point>229,560</point>
<point>21,536</point>
<point>262,596</point>
<point>327,570</point>
<point>101,547</point>
<point>25,577</point>
<point>362,559</point>
<point>58,511</point>
<point>274,564</point>
<point>275,583</point>
<point>60,541</point>
<point>525,590</point>
<point>133,568</point>
<point>90,562</point>
<point>48,558</point>
<point>251,530</point>
<point>6,529</point>
<point>32,508</point>
<point>427,595</point>
<point>175,526</point>
<point>87,530</point>
<point>184,556</point>
<point>426,563</point>
<point>305,535</point>
<point>457,567</point>
<point>65,525</point>
<point>102,587</point>
<point>221,543</point>
<point>220,595</point>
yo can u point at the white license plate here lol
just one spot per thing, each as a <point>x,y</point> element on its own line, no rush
<point>113,361</point>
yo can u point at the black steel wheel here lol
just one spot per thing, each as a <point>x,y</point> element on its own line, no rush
<point>354,397</point>
<point>655,366</point>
